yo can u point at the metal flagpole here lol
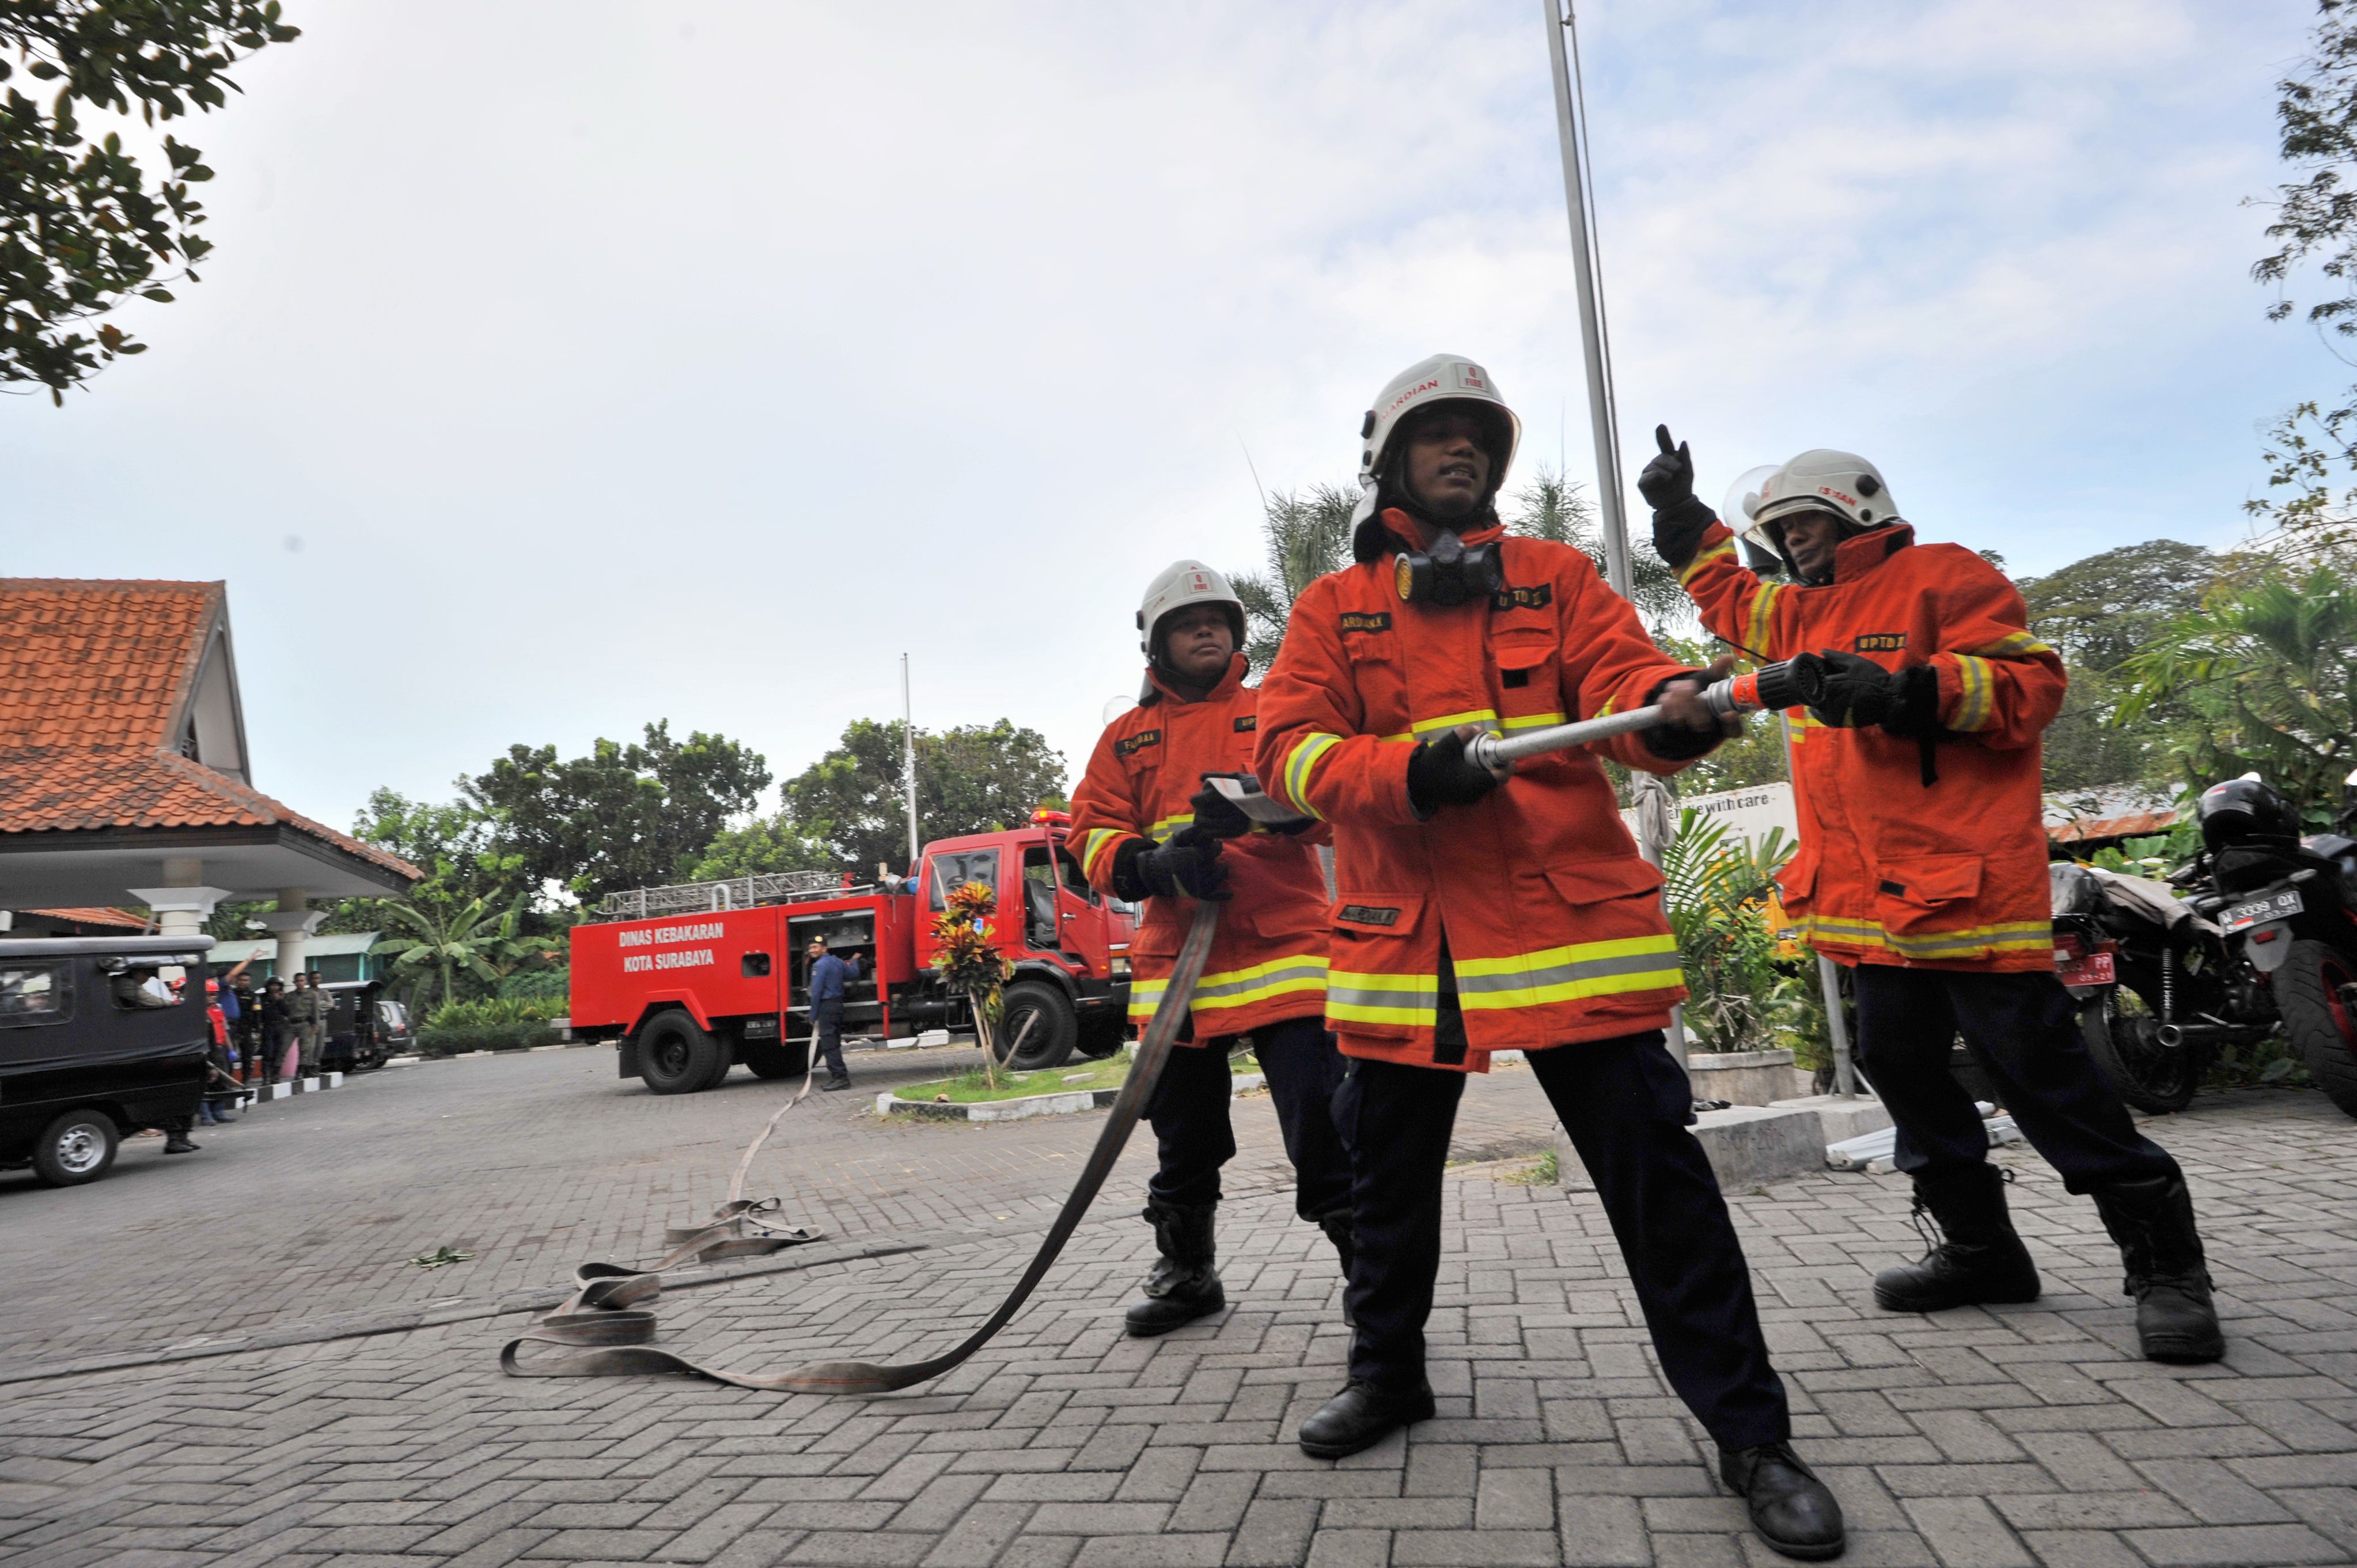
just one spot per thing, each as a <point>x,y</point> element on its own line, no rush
<point>909,761</point>
<point>1653,800</point>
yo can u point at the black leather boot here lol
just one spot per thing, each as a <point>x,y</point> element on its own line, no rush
<point>176,1142</point>
<point>1361,1416</point>
<point>1980,1260</point>
<point>2152,1221</point>
<point>1791,1509</point>
<point>1183,1285</point>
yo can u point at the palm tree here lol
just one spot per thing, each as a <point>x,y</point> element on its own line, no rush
<point>1552,506</point>
<point>450,941</point>
<point>1306,537</point>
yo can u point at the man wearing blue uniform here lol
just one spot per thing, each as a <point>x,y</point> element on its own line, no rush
<point>828,977</point>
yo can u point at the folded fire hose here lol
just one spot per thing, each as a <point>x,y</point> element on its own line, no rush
<point>603,1311</point>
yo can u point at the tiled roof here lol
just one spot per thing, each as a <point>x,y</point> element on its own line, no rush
<point>124,919</point>
<point>91,676</point>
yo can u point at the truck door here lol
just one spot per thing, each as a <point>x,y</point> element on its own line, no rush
<point>1081,912</point>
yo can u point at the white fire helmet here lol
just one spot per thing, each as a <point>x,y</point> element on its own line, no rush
<point>1179,585</point>
<point>1444,378</point>
<point>1842,483</point>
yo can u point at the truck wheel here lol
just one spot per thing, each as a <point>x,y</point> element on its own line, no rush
<point>1102,1035</point>
<point>75,1148</point>
<point>2316,990</point>
<point>1036,1028</point>
<point>677,1057</point>
<point>770,1058</point>
<point>2124,1038</point>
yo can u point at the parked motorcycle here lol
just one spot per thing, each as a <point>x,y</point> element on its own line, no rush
<point>2159,990</point>
<point>2288,904</point>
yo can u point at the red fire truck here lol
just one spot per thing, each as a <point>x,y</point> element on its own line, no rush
<point>693,979</point>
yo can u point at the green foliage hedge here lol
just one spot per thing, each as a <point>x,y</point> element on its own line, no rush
<point>493,1023</point>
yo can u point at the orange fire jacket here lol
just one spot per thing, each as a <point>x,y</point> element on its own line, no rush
<point>1952,875</point>
<point>1535,895</point>
<point>1268,961</point>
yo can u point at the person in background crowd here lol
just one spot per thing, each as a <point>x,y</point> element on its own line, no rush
<point>277,1033</point>
<point>245,1025</point>
<point>220,1059</point>
<point>140,986</point>
<point>828,977</point>
<point>306,1009</point>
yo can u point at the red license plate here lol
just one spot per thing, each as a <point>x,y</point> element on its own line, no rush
<point>2095,969</point>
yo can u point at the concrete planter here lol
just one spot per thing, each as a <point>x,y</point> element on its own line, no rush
<point>1747,1078</point>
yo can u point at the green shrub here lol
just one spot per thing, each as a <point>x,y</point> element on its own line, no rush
<point>539,984</point>
<point>459,1040</point>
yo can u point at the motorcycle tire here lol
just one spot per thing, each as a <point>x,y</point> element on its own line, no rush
<point>2150,1077</point>
<point>2316,991</point>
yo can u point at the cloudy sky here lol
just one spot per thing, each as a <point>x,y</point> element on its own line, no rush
<point>565,366</point>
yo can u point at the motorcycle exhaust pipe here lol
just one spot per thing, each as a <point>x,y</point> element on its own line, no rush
<point>2174,1035</point>
<point>1767,689</point>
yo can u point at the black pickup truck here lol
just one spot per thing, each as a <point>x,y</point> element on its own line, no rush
<point>94,1046</point>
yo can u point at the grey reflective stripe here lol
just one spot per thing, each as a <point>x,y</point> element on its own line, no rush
<point>1307,970</point>
<point>1563,974</point>
<point>1423,991</point>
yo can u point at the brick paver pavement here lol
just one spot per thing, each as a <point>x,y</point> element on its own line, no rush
<point>2014,1435</point>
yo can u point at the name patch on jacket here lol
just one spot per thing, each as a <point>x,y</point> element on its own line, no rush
<point>1881,642</point>
<point>1362,620</point>
<point>1137,742</point>
<point>1535,597</point>
<point>1370,915</point>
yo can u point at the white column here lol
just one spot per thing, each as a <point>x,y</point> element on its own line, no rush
<point>183,904</point>
<point>292,924</point>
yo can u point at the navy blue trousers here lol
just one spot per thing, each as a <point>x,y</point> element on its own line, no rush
<point>826,1038</point>
<point>1626,1106</point>
<point>1196,1137</point>
<point>2023,1029</point>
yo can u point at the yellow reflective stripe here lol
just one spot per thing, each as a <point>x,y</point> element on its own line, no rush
<point>1758,626</point>
<point>1298,767</point>
<point>1975,705</point>
<point>1354,997</point>
<point>2012,645</point>
<point>1722,551</point>
<point>1568,973</point>
<point>1094,845</point>
<point>1242,987</point>
<point>1168,825</point>
<point>2012,936</point>
<point>1450,721</point>
<point>1532,721</point>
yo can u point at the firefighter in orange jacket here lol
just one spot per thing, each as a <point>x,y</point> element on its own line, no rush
<point>1150,831</point>
<point>1479,913</point>
<point>1922,866</point>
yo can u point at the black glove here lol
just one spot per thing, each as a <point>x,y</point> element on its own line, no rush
<point>1440,774</point>
<point>1219,816</point>
<point>1185,866</point>
<point>1679,517</point>
<point>1675,743</point>
<point>1849,690</point>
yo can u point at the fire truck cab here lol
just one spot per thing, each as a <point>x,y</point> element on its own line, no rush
<point>691,980</point>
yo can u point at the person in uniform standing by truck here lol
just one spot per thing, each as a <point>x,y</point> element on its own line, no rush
<point>1480,911</point>
<point>307,1010</point>
<point>829,975</point>
<point>1922,867</point>
<point>1150,830</point>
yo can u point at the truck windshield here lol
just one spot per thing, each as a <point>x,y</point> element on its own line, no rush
<point>959,867</point>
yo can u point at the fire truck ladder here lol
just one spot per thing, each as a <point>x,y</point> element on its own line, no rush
<point>731,893</point>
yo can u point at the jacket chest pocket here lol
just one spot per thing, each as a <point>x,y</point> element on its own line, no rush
<point>1530,677</point>
<point>1380,676</point>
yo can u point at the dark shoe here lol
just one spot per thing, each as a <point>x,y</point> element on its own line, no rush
<point>2153,1223</point>
<point>1791,1509</point>
<point>1184,1286</point>
<point>1361,1416</point>
<point>1980,1260</point>
<point>178,1144</point>
<point>223,1119</point>
<point>831,1085</point>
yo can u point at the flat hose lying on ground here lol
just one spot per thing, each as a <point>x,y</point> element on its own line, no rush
<point>600,1312</point>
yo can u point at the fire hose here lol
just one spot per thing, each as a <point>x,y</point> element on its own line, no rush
<point>1772,686</point>
<point>603,1311</point>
